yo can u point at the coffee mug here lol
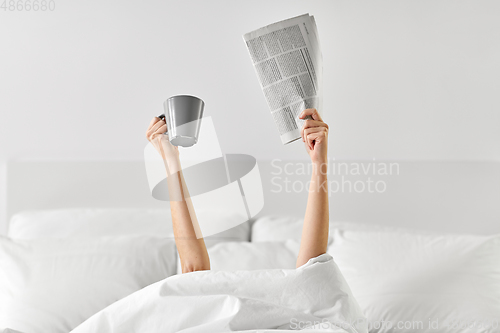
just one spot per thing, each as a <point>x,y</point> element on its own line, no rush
<point>183,114</point>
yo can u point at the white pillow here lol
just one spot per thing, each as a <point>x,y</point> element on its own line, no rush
<point>232,256</point>
<point>281,228</point>
<point>63,223</point>
<point>422,282</point>
<point>276,229</point>
<point>54,285</point>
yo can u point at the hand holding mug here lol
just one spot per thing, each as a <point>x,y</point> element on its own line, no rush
<point>156,134</point>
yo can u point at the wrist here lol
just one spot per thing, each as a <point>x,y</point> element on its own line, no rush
<point>173,164</point>
<point>320,160</point>
<point>320,166</point>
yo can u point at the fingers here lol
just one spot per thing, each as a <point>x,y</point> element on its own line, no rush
<point>314,135</point>
<point>160,131</point>
<point>311,123</point>
<point>153,121</point>
<point>310,112</point>
<point>155,128</point>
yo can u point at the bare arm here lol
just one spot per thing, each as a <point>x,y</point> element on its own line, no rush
<point>314,239</point>
<point>190,244</point>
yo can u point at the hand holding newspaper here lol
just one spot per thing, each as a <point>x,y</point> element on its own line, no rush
<point>287,58</point>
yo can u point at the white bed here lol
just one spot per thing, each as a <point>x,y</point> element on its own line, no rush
<point>90,258</point>
<point>58,267</point>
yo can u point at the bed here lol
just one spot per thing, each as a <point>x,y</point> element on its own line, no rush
<point>60,267</point>
<point>77,267</point>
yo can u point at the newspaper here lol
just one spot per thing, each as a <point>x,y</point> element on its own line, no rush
<point>287,59</point>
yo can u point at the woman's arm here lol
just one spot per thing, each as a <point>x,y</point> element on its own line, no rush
<point>190,244</point>
<point>314,239</point>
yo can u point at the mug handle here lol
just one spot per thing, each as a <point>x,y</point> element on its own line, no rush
<point>162,116</point>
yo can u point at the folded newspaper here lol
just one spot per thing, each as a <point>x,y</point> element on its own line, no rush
<point>287,58</point>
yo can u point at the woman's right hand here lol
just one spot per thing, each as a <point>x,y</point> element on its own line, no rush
<point>315,135</point>
<point>156,134</point>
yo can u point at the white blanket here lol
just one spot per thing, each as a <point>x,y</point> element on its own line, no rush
<point>314,296</point>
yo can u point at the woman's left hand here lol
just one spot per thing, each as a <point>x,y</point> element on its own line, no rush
<point>315,135</point>
<point>156,134</point>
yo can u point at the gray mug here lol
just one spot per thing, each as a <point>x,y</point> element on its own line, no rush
<point>183,115</point>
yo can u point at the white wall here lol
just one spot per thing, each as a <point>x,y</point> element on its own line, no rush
<point>403,79</point>
<point>451,196</point>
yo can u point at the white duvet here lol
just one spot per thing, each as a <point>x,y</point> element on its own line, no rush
<point>313,297</point>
